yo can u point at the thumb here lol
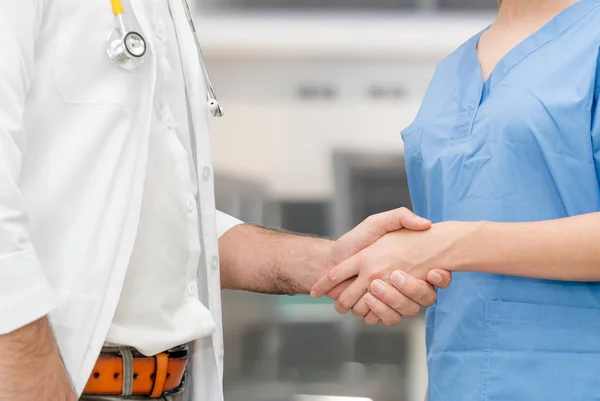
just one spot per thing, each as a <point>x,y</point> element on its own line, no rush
<point>375,227</point>
<point>439,278</point>
<point>411,221</point>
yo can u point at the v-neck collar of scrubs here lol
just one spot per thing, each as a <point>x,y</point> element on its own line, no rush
<point>548,32</point>
<point>474,90</point>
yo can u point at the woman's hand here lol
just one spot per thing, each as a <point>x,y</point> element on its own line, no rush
<point>411,252</point>
<point>403,296</point>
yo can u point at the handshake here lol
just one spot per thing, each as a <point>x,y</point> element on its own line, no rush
<point>388,266</point>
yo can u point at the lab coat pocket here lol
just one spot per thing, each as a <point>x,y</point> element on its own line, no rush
<point>541,353</point>
<point>83,72</point>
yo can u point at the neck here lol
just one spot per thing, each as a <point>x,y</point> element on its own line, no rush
<point>518,10</point>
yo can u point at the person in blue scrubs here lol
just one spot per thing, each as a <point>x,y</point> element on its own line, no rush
<point>504,159</point>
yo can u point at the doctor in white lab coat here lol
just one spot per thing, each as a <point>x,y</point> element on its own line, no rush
<point>108,230</point>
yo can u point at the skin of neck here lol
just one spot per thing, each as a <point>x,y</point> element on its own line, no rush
<point>515,11</point>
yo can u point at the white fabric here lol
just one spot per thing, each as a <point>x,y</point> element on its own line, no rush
<point>159,306</point>
<point>74,135</point>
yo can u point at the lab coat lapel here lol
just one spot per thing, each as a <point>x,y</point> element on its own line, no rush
<point>206,373</point>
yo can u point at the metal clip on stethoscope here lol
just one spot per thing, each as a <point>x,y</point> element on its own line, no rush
<point>127,49</point>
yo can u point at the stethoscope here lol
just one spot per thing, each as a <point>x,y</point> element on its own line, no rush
<point>127,49</point>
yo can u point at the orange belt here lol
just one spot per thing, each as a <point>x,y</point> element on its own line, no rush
<point>152,377</point>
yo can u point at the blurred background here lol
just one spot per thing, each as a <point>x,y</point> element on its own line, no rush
<point>316,93</point>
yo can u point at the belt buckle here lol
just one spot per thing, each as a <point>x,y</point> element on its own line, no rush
<point>179,352</point>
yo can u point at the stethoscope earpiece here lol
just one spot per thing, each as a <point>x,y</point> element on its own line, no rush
<point>215,109</point>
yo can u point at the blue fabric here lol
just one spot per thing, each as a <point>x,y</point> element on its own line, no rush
<point>522,146</point>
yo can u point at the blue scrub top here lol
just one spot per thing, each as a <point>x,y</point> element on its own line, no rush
<point>522,146</point>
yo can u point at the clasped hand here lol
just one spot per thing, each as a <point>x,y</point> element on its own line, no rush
<point>388,267</point>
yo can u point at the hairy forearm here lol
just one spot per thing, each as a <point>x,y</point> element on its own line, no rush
<point>262,260</point>
<point>565,249</point>
<point>31,368</point>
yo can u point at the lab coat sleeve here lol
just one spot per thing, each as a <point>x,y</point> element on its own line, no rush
<point>225,223</point>
<point>25,294</point>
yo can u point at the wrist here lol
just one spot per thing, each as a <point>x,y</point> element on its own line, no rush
<point>311,263</point>
<point>466,251</point>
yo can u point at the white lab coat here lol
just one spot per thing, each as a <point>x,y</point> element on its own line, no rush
<point>73,146</point>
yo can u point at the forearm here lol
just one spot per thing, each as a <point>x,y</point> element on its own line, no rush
<point>566,249</point>
<point>268,261</point>
<point>31,368</point>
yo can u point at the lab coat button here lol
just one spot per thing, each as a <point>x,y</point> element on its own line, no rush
<point>206,173</point>
<point>215,262</point>
<point>161,32</point>
<point>192,289</point>
<point>169,122</point>
<point>191,205</point>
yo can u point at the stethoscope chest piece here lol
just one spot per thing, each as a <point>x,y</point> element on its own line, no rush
<point>127,50</point>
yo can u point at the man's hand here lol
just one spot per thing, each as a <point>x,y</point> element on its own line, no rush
<point>31,368</point>
<point>413,253</point>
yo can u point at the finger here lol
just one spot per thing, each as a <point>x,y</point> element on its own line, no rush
<point>418,291</point>
<point>351,296</point>
<point>375,227</point>
<point>387,315</point>
<point>371,319</point>
<point>361,309</point>
<point>338,290</point>
<point>393,298</point>
<point>340,273</point>
<point>439,278</point>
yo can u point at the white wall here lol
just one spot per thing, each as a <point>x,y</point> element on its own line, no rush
<point>289,146</point>
<point>260,64</point>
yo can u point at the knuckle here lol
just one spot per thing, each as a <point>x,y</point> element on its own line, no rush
<point>400,304</point>
<point>344,303</point>
<point>331,274</point>
<point>412,311</point>
<point>340,309</point>
<point>410,290</point>
<point>360,313</point>
<point>372,219</point>
<point>360,309</point>
<point>430,299</point>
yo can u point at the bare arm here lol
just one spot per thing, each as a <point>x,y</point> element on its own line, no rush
<point>32,367</point>
<point>565,249</point>
<point>262,260</point>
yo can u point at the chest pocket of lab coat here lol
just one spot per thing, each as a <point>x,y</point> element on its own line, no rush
<point>83,72</point>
